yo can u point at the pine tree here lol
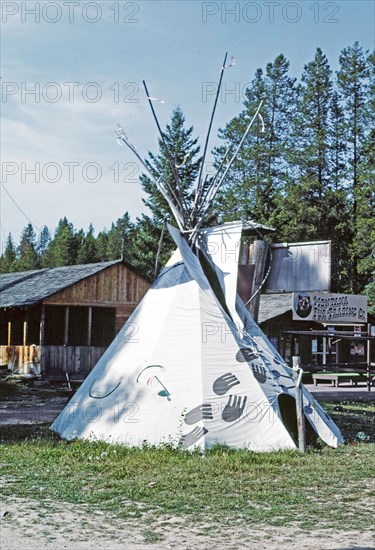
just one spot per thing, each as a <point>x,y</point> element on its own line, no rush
<point>281,99</point>
<point>311,133</point>
<point>87,253</point>
<point>42,247</point>
<point>64,246</point>
<point>183,150</point>
<point>260,172</point>
<point>120,239</point>
<point>338,143</point>
<point>102,245</point>
<point>364,244</point>
<point>240,194</point>
<point>28,258</point>
<point>9,257</point>
<point>363,247</point>
<point>146,240</point>
<point>303,207</point>
<point>353,84</point>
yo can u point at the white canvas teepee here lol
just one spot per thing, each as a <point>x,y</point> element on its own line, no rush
<point>191,367</point>
<point>182,371</point>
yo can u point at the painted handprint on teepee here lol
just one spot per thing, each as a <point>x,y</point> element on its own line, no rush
<point>244,355</point>
<point>234,408</point>
<point>259,372</point>
<point>202,412</point>
<point>192,437</point>
<point>224,383</point>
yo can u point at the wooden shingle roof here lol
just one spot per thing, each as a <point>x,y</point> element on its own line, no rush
<point>30,287</point>
<point>273,305</point>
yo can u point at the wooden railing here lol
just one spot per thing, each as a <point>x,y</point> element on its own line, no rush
<point>71,359</point>
<point>21,359</point>
<point>50,359</point>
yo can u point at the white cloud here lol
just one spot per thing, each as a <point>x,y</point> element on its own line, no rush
<point>41,140</point>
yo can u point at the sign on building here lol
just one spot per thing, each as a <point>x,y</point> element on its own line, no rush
<point>300,266</point>
<point>324,307</point>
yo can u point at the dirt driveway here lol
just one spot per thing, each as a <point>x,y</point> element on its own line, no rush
<point>30,524</point>
<point>32,405</point>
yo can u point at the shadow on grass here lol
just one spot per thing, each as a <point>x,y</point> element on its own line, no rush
<point>27,432</point>
<point>355,420</point>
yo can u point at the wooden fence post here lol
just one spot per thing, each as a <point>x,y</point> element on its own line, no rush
<point>301,428</point>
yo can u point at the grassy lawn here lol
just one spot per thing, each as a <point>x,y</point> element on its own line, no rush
<point>325,487</point>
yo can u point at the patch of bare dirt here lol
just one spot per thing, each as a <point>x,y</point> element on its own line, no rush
<point>26,523</point>
<point>20,404</point>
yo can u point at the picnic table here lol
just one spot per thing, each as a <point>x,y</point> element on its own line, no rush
<point>336,377</point>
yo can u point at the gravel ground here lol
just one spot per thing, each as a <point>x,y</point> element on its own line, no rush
<point>51,525</point>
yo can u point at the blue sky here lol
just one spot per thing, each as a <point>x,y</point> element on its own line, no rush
<point>86,61</point>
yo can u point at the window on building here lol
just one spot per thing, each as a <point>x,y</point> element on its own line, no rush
<point>33,326</point>
<point>357,351</point>
<point>54,325</point>
<point>3,329</point>
<point>103,326</point>
<point>78,326</point>
<point>323,352</point>
<point>275,342</point>
<point>17,317</point>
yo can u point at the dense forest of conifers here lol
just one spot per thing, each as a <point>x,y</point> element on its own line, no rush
<point>310,175</point>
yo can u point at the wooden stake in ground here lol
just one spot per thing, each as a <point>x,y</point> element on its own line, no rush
<point>299,404</point>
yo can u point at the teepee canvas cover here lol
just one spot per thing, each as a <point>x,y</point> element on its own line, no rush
<point>183,371</point>
<point>191,367</point>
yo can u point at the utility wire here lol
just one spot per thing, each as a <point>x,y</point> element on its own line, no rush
<point>19,208</point>
<point>3,232</point>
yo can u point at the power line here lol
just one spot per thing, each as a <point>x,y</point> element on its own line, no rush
<point>3,232</point>
<point>19,208</point>
<point>2,242</point>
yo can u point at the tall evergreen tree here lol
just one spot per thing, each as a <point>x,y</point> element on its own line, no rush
<point>9,257</point>
<point>147,236</point>
<point>42,247</point>
<point>102,245</point>
<point>337,206</point>
<point>365,223</point>
<point>239,196</point>
<point>281,99</point>
<point>363,246</point>
<point>311,147</point>
<point>87,253</point>
<point>313,202</point>
<point>183,151</point>
<point>28,258</point>
<point>64,247</point>
<point>353,84</point>
<point>260,172</point>
<point>120,238</point>
<point>338,144</point>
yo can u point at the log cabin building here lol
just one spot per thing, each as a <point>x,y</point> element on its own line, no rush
<point>62,319</point>
<point>317,344</point>
<point>304,269</point>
